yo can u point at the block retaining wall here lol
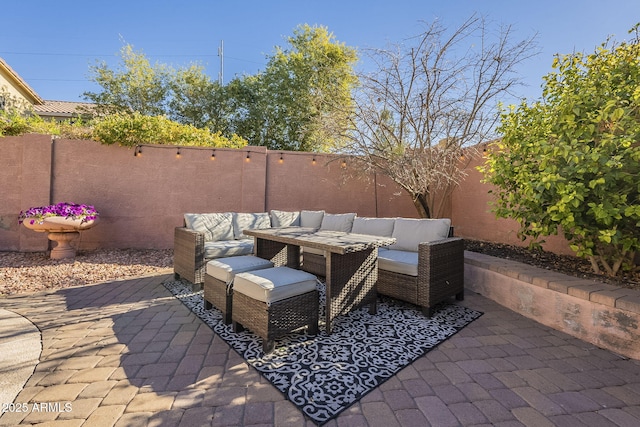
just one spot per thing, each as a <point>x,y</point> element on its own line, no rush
<point>605,315</point>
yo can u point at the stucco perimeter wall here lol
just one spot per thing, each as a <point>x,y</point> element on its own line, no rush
<point>298,180</point>
<point>25,179</point>
<point>604,315</point>
<point>141,199</point>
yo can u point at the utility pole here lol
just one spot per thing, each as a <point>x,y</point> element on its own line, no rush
<point>221,55</point>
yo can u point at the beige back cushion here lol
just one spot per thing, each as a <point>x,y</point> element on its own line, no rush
<point>215,226</point>
<point>284,219</point>
<point>243,221</point>
<point>409,233</point>
<point>373,226</point>
<point>338,222</point>
<point>312,219</point>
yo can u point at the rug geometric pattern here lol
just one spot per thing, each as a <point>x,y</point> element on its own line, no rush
<point>324,374</point>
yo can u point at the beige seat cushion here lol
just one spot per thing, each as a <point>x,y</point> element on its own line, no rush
<point>225,269</point>
<point>403,262</point>
<point>226,248</point>
<point>274,284</point>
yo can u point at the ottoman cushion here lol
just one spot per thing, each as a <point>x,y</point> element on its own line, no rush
<point>225,269</point>
<point>274,284</point>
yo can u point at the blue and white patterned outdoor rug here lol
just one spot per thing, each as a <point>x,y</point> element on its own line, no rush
<point>325,374</point>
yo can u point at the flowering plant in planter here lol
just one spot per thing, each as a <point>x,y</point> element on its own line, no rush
<point>36,215</point>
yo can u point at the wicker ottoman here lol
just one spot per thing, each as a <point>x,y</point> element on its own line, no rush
<point>275,301</point>
<point>218,280</point>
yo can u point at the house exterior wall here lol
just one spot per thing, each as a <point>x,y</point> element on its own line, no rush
<point>6,88</point>
<point>12,86</point>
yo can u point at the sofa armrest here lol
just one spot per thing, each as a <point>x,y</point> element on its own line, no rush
<point>440,269</point>
<point>188,255</point>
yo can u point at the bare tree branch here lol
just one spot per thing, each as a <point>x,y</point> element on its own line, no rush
<point>430,98</point>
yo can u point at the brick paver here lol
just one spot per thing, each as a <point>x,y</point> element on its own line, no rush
<point>128,353</point>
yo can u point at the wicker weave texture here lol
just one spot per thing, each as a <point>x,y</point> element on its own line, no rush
<point>440,275</point>
<point>441,271</point>
<point>314,263</point>
<point>398,286</point>
<point>188,255</point>
<point>217,293</point>
<point>277,319</point>
<point>350,283</point>
<point>280,254</point>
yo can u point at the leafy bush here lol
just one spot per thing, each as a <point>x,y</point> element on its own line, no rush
<point>12,123</point>
<point>134,129</point>
<point>572,163</point>
<point>123,129</point>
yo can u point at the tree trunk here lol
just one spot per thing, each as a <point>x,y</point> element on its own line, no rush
<point>420,202</point>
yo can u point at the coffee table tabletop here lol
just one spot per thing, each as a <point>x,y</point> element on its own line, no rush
<point>333,241</point>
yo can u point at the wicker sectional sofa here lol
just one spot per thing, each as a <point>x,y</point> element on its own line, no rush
<point>424,267</point>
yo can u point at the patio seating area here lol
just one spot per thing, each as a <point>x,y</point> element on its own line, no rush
<point>412,260</point>
<point>129,353</point>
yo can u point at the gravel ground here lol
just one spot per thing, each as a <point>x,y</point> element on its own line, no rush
<point>35,271</point>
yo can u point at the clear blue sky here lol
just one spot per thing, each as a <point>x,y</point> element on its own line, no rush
<point>51,44</point>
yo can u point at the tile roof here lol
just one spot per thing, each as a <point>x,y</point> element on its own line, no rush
<point>62,108</point>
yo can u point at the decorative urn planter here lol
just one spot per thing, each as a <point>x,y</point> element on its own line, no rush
<point>62,223</point>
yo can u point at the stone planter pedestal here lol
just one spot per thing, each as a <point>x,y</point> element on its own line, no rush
<point>63,231</point>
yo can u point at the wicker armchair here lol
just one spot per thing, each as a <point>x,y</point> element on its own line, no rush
<point>440,276</point>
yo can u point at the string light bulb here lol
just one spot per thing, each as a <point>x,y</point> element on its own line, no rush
<point>313,161</point>
<point>344,164</point>
<point>213,154</point>
<point>248,159</point>
<point>138,151</point>
<point>281,159</point>
<point>178,153</point>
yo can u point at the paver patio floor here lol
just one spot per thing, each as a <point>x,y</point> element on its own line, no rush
<point>127,353</point>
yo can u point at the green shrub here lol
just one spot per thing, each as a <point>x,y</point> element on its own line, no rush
<point>13,124</point>
<point>135,129</point>
<point>572,162</point>
<point>127,130</point>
